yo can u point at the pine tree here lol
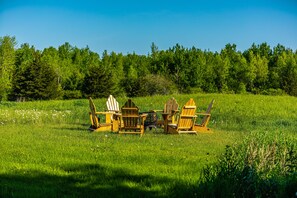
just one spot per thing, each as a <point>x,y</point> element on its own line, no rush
<point>38,81</point>
<point>98,83</point>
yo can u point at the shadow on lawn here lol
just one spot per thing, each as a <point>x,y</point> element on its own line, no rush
<point>74,127</point>
<point>90,180</point>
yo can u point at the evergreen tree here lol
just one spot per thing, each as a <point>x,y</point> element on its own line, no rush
<point>38,81</point>
<point>97,83</point>
<point>24,60</point>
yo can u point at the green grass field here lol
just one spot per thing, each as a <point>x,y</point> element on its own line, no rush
<point>47,151</point>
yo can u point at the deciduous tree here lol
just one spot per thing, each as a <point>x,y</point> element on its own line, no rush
<point>7,65</point>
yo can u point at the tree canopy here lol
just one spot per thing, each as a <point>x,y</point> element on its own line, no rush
<point>69,72</point>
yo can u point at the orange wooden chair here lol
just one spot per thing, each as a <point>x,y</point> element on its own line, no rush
<point>185,122</point>
<point>96,125</point>
<point>169,112</point>
<point>131,122</point>
<point>202,127</point>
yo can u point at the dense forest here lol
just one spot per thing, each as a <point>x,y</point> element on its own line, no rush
<point>69,72</point>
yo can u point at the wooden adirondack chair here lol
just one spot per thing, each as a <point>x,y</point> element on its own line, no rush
<point>113,107</point>
<point>169,112</point>
<point>112,104</point>
<point>131,122</point>
<point>95,119</point>
<point>186,120</point>
<point>202,127</point>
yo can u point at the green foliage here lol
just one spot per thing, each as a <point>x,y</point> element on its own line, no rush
<point>273,92</point>
<point>114,62</point>
<point>155,85</point>
<point>37,81</point>
<point>7,65</point>
<point>98,83</point>
<point>74,82</point>
<point>69,94</point>
<point>257,70</point>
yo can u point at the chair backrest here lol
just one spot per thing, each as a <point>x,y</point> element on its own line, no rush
<point>187,116</point>
<point>207,117</point>
<point>95,121</point>
<point>170,106</point>
<point>130,115</point>
<point>112,104</point>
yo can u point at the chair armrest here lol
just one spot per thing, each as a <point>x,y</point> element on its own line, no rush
<point>175,112</point>
<point>111,111</point>
<point>165,116</point>
<point>143,115</point>
<point>157,110</point>
<point>102,113</point>
<point>143,118</point>
<point>201,113</point>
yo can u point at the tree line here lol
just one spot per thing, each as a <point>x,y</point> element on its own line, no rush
<point>68,72</point>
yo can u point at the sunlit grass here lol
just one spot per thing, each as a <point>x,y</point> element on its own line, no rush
<point>150,163</point>
<point>46,149</point>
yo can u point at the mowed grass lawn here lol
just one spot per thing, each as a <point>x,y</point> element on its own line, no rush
<point>47,151</point>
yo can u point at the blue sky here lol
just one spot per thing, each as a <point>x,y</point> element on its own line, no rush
<point>132,25</point>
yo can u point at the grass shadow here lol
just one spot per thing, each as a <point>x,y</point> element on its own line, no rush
<point>74,127</point>
<point>90,180</point>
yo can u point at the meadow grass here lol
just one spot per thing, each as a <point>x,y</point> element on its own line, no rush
<point>47,150</point>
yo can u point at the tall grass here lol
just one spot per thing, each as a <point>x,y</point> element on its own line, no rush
<point>230,112</point>
<point>47,151</point>
<point>264,165</point>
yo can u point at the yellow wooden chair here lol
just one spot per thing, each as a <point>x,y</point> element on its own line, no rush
<point>131,122</point>
<point>205,117</point>
<point>96,125</point>
<point>185,122</point>
<point>169,112</point>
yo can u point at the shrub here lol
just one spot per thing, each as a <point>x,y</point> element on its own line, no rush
<point>264,165</point>
<point>72,94</point>
<point>274,92</point>
<point>153,84</point>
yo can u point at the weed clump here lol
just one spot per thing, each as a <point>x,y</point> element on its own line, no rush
<point>264,165</point>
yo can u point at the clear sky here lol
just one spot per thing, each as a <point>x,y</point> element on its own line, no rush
<point>132,25</point>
